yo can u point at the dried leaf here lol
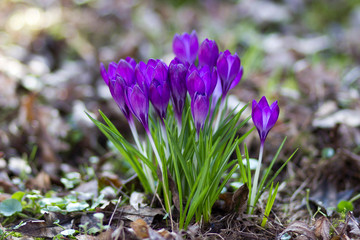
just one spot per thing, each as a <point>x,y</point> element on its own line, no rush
<point>236,202</point>
<point>146,213</point>
<point>39,228</point>
<point>240,198</point>
<point>137,200</point>
<point>322,228</point>
<point>154,235</point>
<point>354,225</point>
<point>299,228</point>
<point>140,228</point>
<point>41,182</point>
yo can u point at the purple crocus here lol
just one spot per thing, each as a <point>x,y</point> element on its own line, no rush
<point>159,91</point>
<point>186,46</point>
<point>208,53</point>
<point>200,84</point>
<point>117,78</point>
<point>201,80</point>
<point>264,116</point>
<point>230,71</point>
<point>199,109</point>
<point>177,78</point>
<point>138,102</point>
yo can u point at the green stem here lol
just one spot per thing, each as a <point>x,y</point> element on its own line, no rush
<point>256,179</point>
<point>221,108</point>
<point>163,175</point>
<point>147,170</point>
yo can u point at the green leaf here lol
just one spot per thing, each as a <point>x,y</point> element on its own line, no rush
<point>10,206</point>
<point>78,206</point>
<point>345,206</point>
<point>18,196</point>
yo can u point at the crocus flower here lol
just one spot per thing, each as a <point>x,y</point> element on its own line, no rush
<point>177,78</point>
<point>264,116</point>
<point>208,53</point>
<point>186,46</point>
<point>201,80</point>
<point>199,110</point>
<point>200,84</point>
<point>115,79</point>
<point>159,91</point>
<point>230,71</point>
<point>138,102</point>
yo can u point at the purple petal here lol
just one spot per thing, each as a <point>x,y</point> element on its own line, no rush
<point>237,79</point>
<point>141,78</point>
<point>179,47</point>
<point>139,104</point>
<point>119,97</point>
<point>222,67</point>
<point>104,74</point>
<point>126,71</point>
<point>257,117</point>
<point>263,103</point>
<point>131,61</point>
<point>199,110</point>
<point>234,65</point>
<point>208,53</point>
<point>274,114</point>
<point>194,47</point>
<point>112,70</point>
<point>160,72</point>
<point>159,96</point>
<point>194,83</point>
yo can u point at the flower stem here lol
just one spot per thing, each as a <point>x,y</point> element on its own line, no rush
<point>164,136</point>
<point>256,179</point>
<point>147,170</point>
<point>163,175</point>
<point>221,108</point>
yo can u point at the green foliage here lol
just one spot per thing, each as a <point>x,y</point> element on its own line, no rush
<point>345,206</point>
<point>192,165</point>
<point>10,206</point>
<point>265,183</point>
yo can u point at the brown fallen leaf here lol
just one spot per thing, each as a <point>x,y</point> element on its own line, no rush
<point>140,228</point>
<point>145,213</point>
<point>322,228</point>
<point>353,224</point>
<point>41,182</point>
<point>299,228</point>
<point>237,201</point>
<point>38,228</point>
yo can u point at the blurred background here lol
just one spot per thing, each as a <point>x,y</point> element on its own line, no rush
<point>304,53</point>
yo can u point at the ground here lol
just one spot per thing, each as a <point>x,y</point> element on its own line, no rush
<point>53,159</point>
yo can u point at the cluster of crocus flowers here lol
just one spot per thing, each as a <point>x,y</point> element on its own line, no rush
<point>133,85</point>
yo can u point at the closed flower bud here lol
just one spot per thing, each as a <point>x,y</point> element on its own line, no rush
<point>186,46</point>
<point>264,116</point>
<point>230,70</point>
<point>159,92</point>
<point>208,53</point>
<point>177,79</point>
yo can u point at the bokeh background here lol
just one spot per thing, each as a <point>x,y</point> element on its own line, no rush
<point>304,53</point>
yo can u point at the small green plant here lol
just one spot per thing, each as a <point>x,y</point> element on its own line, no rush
<point>264,118</point>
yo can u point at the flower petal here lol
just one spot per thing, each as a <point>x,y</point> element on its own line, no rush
<point>199,109</point>
<point>237,79</point>
<point>195,83</point>
<point>104,74</point>
<point>126,71</point>
<point>275,110</point>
